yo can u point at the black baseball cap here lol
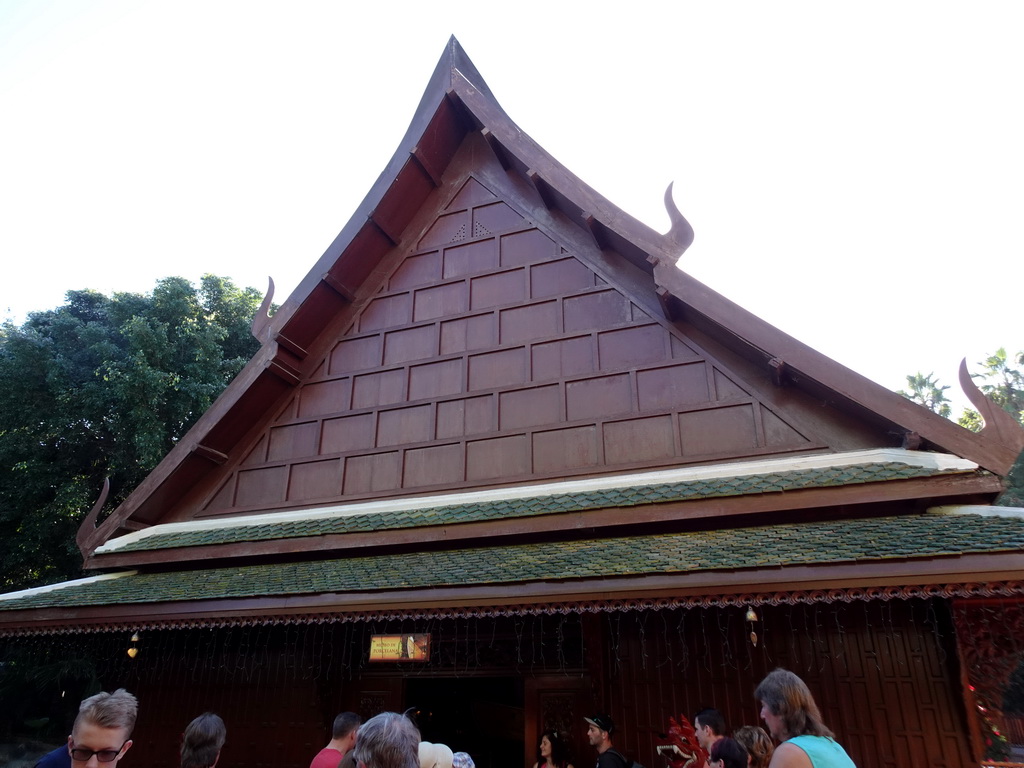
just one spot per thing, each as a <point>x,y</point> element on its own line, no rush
<point>602,721</point>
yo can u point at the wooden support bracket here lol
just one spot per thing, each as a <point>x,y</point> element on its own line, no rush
<point>284,371</point>
<point>496,148</point>
<point>394,237</point>
<point>210,454</point>
<point>542,187</point>
<point>424,162</point>
<point>597,230</point>
<point>338,287</point>
<point>779,371</point>
<point>291,346</point>
<point>669,304</point>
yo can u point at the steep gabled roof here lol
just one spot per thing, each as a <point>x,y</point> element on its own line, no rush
<point>486,318</point>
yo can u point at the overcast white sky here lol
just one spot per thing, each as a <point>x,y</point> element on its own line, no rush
<point>854,172</point>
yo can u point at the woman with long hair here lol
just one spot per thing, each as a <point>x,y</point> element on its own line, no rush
<point>552,752</point>
<point>757,743</point>
<point>203,739</point>
<point>793,718</point>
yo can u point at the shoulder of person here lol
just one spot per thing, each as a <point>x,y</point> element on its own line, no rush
<point>789,756</point>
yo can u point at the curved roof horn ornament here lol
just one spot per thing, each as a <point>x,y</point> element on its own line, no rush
<point>681,233</point>
<point>999,425</point>
<point>261,320</point>
<point>85,536</point>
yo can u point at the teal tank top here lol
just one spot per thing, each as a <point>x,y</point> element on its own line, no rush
<point>823,752</point>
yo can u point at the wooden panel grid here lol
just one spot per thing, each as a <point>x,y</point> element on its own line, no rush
<point>492,352</point>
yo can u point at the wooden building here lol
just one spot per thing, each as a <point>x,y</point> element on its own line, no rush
<point>497,415</point>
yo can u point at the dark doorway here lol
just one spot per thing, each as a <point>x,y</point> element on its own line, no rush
<point>479,715</point>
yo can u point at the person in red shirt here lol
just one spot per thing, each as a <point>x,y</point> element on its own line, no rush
<point>343,738</point>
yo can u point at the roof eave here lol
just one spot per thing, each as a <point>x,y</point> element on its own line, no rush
<point>790,362</point>
<point>915,494</point>
<point>813,583</point>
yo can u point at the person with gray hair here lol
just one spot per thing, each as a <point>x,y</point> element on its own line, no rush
<point>388,740</point>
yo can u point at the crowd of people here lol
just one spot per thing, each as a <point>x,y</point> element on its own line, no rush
<point>101,735</point>
<point>788,710</point>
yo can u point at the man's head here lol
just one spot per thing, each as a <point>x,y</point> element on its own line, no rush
<point>600,728</point>
<point>344,729</point>
<point>389,740</point>
<point>710,727</point>
<point>787,707</point>
<point>102,731</point>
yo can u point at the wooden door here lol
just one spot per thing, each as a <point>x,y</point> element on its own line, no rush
<point>559,702</point>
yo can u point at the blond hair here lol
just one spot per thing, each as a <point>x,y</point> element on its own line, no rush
<point>757,743</point>
<point>109,710</point>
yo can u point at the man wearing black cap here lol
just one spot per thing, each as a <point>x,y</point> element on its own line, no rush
<point>599,733</point>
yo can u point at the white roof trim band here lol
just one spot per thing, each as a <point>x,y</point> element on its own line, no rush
<point>937,461</point>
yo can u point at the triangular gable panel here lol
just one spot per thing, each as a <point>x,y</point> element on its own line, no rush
<point>486,318</point>
<point>492,351</point>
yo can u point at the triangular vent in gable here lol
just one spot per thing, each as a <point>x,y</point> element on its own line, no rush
<point>497,357</point>
<point>474,212</point>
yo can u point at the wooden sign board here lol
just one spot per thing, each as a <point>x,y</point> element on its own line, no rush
<point>400,647</point>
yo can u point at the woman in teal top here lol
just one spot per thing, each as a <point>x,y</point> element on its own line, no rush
<point>792,717</point>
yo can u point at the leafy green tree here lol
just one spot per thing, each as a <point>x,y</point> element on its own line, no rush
<point>104,387</point>
<point>928,392</point>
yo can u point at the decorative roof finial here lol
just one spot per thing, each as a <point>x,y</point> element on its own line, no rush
<point>681,233</point>
<point>999,425</point>
<point>85,538</point>
<point>261,320</point>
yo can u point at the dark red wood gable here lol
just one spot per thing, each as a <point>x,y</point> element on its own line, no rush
<point>496,349</point>
<point>486,318</point>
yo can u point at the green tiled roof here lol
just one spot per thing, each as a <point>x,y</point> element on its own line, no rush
<point>909,536</point>
<point>774,482</point>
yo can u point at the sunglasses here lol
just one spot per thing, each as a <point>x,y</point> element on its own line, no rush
<point>82,755</point>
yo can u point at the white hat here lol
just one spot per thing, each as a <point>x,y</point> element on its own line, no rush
<point>435,755</point>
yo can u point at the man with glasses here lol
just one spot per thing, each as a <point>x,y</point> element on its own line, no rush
<point>101,734</point>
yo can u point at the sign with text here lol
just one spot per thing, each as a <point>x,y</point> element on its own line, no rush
<point>400,647</point>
